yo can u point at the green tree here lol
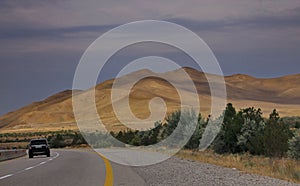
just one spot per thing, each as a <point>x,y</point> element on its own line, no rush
<point>250,138</point>
<point>276,136</point>
<point>194,141</point>
<point>226,140</point>
<point>172,121</point>
<point>57,141</point>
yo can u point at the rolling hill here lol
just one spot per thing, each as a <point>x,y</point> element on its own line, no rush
<point>56,113</point>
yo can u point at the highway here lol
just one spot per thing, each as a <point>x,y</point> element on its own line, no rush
<point>84,167</point>
<point>80,167</point>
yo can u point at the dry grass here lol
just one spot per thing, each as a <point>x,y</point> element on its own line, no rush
<point>42,128</point>
<point>285,169</point>
<point>10,145</point>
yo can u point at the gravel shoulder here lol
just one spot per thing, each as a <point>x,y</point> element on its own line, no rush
<point>176,171</point>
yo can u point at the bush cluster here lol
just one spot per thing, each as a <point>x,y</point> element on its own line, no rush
<point>248,131</point>
<point>243,131</point>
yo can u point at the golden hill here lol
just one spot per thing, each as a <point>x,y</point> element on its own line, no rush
<point>56,113</point>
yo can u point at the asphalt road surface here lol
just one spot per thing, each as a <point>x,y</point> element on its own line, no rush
<point>66,168</point>
<point>83,167</point>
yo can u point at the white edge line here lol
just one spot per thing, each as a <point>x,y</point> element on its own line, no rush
<point>6,176</point>
<point>28,168</point>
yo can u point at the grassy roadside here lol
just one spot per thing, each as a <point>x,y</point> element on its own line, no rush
<point>57,139</point>
<point>283,168</point>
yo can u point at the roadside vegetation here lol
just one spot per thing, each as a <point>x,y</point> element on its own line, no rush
<point>244,131</point>
<point>57,139</point>
<point>246,141</point>
<point>282,168</point>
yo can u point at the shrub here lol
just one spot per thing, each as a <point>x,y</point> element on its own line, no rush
<point>294,146</point>
<point>276,137</point>
<point>227,139</point>
<point>252,131</point>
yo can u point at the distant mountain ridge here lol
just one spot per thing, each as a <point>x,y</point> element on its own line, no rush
<point>56,113</point>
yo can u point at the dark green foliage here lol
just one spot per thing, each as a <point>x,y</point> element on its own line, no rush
<point>78,139</point>
<point>56,141</point>
<point>297,125</point>
<point>161,131</point>
<point>101,140</point>
<point>276,136</point>
<point>247,131</point>
<point>251,135</point>
<point>242,131</point>
<point>291,121</point>
<point>252,114</point>
<point>139,138</point>
<point>172,122</point>
<point>194,141</point>
<point>226,141</point>
<point>294,146</point>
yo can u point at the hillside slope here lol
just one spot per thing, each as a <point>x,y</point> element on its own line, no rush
<point>55,112</point>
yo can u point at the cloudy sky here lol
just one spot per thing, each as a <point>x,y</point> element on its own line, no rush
<point>41,41</point>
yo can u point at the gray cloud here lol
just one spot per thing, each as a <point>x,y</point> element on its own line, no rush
<point>289,19</point>
<point>65,13</point>
<point>12,4</point>
<point>280,21</point>
<point>48,33</point>
<point>42,40</point>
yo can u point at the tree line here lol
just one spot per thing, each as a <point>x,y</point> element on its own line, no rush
<point>243,131</point>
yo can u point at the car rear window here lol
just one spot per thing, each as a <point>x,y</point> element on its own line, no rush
<point>38,142</point>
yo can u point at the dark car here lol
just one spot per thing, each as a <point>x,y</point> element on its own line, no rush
<point>38,147</point>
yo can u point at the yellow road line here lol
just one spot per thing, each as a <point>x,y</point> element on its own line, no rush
<point>109,179</point>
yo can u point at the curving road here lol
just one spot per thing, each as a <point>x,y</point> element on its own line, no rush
<point>67,168</point>
<point>84,167</point>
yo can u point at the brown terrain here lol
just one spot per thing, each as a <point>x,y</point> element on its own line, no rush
<point>56,113</point>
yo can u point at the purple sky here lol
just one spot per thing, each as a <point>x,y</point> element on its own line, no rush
<point>41,41</point>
